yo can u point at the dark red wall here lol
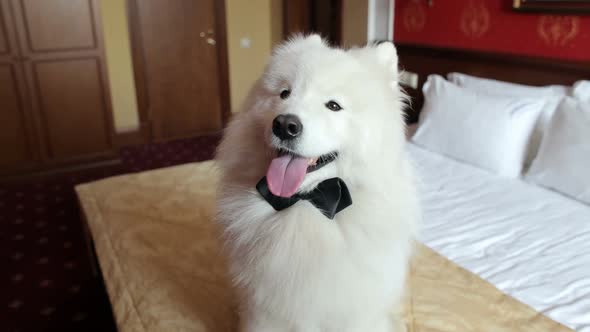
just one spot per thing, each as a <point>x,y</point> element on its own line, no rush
<point>491,25</point>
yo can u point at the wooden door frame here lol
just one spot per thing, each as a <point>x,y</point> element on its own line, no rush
<point>139,71</point>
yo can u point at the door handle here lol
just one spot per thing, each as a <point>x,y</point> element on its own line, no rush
<point>210,34</point>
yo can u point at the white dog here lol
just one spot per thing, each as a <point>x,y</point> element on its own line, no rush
<point>303,257</point>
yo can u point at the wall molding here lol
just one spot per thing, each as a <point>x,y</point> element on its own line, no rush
<point>135,136</point>
<point>380,20</point>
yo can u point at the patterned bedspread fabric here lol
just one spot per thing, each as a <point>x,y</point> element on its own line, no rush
<point>164,271</point>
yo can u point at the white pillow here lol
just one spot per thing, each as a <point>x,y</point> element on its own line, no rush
<point>495,87</point>
<point>563,161</point>
<point>489,132</point>
<point>581,91</point>
<point>553,93</point>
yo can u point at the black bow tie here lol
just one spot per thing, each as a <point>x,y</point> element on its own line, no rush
<point>330,197</point>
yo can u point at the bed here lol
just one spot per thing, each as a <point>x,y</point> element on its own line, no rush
<point>164,269</point>
<point>494,253</point>
<point>523,234</point>
<point>531,243</point>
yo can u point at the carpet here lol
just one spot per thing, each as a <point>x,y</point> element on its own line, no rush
<point>46,277</point>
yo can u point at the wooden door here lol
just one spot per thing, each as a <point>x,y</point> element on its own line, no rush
<point>309,16</point>
<point>62,54</point>
<point>180,64</point>
<point>16,135</point>
<point>296,17</point>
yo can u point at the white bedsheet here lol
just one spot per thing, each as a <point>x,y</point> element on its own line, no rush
<point>531,243</point>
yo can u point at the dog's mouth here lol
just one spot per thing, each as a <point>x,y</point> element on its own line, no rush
<point>313,164</point>
<point>287,171</point>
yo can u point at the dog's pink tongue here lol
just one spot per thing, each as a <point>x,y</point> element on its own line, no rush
<point>285,174</point>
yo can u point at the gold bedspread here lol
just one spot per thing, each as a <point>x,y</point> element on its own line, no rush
<point>163,268</point>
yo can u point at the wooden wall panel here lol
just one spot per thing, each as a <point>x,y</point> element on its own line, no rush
<point>4,42</point>
<point>71,20</point>
<point>13,133</point>
<point>71,102</point>
<point>54,98</point>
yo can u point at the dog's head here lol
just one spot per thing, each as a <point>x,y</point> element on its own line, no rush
<point>320,112</point>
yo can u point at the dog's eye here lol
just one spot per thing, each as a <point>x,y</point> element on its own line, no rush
<point>285,94</point>
<point>333,106</point>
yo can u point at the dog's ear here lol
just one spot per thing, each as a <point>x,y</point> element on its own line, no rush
<point>299,41</point>
<point>315,38</point>
<point>387,56</point>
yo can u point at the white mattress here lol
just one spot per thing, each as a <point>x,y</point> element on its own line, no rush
<point>531,243</point>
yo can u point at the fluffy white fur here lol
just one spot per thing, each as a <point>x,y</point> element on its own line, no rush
<point>296,270</point>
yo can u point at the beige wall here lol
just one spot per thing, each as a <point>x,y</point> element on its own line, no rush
<point>119,63</point>
<point>276,21</point>
<point>247,19</point>
<point>354,22</point>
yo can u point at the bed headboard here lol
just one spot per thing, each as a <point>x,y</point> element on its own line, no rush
<point>425,60</point>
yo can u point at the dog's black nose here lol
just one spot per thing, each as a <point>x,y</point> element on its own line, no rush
<point>287,126</point>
